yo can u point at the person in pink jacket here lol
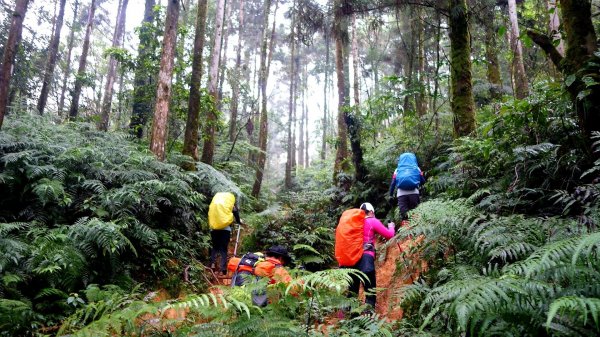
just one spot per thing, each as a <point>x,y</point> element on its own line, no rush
<point>366,264</point>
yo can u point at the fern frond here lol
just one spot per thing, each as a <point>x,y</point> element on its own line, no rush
<point>580,308</point>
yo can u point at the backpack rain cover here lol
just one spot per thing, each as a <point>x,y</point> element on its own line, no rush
<point>349,237</point>
<point>220,211</point>
<point>408,174</point>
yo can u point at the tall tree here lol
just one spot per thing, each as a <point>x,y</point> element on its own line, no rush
<point>190,141</point>
<point>289,164</point>
<point>340,32</point>
<point>463,105</point>
<point>208,150</point>
<point>554,26</point>
<point>143,80</point>
<point>264,126</point>
<point>10,49</point>
<point>67,72</point>
<point>491,48</point>
<point>520,77</point>
<point>325,120</point>
<point>355,79</point>
<point>51,62</point>
<point>576,65</point>
<point>165,74</point>
<point>74,109</point>
<point>111,74</point>
<point>342,14</point>
<point>236,78</point>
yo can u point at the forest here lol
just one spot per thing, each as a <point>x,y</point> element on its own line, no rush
<point>120,120</point>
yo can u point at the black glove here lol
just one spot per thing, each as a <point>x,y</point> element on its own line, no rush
<point>391,200</point>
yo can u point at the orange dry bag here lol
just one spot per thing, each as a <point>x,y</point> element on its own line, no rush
<point>349,237</point>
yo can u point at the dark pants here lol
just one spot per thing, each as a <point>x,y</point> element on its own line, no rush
<point>406,203</point>
<point>220,241</point>
<point>366,264</point>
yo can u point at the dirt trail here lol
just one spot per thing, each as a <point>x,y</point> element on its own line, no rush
<point>399,252</point>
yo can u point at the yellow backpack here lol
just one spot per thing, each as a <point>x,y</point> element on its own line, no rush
<point>220,211</point>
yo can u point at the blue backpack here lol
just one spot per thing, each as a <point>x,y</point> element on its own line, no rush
<point>408,175</point>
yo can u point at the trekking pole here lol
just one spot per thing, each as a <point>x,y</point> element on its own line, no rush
<point>237,239</point>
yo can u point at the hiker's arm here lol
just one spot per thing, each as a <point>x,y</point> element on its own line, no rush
<point>236,215</point>
<point>393,184</point>
<point>422,177</point>
<point>386,232</point>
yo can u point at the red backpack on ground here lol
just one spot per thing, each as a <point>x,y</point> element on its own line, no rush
<point>349,237</point>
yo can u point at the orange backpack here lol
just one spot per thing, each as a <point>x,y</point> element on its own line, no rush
<point>349,237</point>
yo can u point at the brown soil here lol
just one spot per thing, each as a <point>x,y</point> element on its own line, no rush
<point>403,252</point>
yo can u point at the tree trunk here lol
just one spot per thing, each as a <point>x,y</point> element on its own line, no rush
<point>190,141</point>
<point>223,54</point>
<point>341,164</point>
<point>74,109</point>
<point>10,50</point>
<point>165,74</point>
<point>111,74</point>
<point>301,126</point>
<point>554,26</point>
<point>325,98</point>
<point>521,85</point>
<point>463,105</point>
<point>236,78</point>
<point>208,150</point>
<point>51,62</point>
<point>355,83</point>
<point>420,101</point>
<point>491,51</point>
<point>61,102</point>
<point>305,109</point>
<point>580,38</point>
<point>290,147</point>
<point>143,90</point>
<point>262,135</point>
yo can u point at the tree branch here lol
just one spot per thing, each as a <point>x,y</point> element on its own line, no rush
<point>546,44</point>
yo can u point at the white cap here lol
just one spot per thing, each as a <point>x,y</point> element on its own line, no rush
<point>367,207</point>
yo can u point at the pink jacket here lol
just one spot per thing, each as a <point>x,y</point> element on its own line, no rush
<point>372,226</point>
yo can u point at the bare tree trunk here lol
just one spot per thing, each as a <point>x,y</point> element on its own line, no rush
<point>301,126</point>
<point>112,67</point>
<point>10,50</point>
<point>165,74</point>
<point>142,92</point>
<point>305,109</point>
<point>223,54</point>
<point>208,150</point>
<point>341,41</point>
<point>263,132</point>
<point>61,102</point>
<point>190,141</point>
<point>355,84</point>
<point>463,106</point>
<point>236,78</point>
<point>554,26</point>
<point>290,148</point>
<point>325,98</point>
<point>491,51</point>
<point>420,101</point>
<point>74,109</point>
<point>51,62</point>
<point>521,84</point>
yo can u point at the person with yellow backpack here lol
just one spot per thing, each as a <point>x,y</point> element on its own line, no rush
<point>222,212</point>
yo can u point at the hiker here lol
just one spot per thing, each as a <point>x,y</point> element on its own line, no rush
<point>222,212</point>
<point>407,178</point>
<point>253,266</point>
<point>366,264</point>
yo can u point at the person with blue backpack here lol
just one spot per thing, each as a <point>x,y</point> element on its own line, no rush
<point>407,179</point>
